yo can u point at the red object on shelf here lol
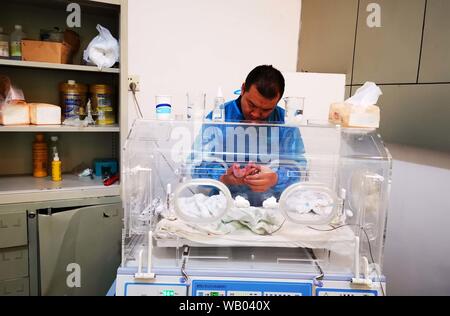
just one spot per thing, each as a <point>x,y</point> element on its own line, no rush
<point>111,180</point>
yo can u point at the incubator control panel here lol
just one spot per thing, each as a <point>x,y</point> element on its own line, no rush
<point>249,288</point>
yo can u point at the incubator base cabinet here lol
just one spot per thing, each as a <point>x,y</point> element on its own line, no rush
<point>199,223</point>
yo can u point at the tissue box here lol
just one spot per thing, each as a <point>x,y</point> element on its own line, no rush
<point>45,114</point>
<point>49,52</point>
<point>15,114</point>
<point>349,115</point>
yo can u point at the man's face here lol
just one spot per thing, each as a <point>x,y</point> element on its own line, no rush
<point>255,107</point>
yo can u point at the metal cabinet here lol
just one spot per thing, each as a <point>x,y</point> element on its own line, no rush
<point>45,225</point>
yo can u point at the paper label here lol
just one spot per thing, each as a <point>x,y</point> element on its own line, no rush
<point>4,49</point>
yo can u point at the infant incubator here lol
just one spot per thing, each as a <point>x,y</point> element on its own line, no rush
<point>317,230</point>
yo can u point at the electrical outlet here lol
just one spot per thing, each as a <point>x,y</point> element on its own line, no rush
<point>134,79</point>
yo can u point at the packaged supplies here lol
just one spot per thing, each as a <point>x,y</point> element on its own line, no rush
<point>45,114</point>
<point>14,114</point>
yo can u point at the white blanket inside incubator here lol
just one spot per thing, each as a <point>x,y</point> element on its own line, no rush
<point>249,226</point>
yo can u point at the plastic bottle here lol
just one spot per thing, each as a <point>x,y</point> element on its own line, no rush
<point>56,168</point>
<point>4,44</point>
<point>15,42</point>
<point>54,148</point>
<point>218,114</point>
<point>40,157</point>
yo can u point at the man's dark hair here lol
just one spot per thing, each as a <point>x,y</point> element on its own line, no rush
<point>267,80</point>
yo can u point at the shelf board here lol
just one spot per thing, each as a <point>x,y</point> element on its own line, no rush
<point>22,189</point>
<point>32,64</point>
<point>60,129</point>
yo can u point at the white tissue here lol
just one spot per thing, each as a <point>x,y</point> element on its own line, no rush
<point>241,202</point>
<point>270,203</point>
<point>367,95</point>
<point>103,50</point>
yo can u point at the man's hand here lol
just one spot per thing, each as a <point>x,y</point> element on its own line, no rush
<point>229,178</point>
<point>262,181</point>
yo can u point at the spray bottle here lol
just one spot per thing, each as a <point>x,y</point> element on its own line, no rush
<point>218,114</point>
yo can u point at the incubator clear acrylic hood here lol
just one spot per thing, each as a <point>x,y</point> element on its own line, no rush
<point>327,209</point>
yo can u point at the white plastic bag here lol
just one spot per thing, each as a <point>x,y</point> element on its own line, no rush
<point>103,50</point>
<point>367,95</point>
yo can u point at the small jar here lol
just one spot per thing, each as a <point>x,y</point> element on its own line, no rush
<point>163,107</point>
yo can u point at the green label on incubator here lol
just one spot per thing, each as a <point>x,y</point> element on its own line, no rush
<point>168,293</point>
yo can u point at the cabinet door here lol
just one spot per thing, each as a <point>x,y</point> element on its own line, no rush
<point>435,62</point>
<point>390,53</point>
<point>80,245</point>
<point>327,36</point>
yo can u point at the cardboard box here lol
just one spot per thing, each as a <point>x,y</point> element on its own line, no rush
<point>49,52</point>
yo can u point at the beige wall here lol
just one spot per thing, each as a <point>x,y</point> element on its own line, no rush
<point>408,56</point>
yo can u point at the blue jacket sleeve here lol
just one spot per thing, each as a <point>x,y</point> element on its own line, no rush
<point>292,163</point>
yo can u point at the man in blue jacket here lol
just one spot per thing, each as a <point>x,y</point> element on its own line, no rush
<point>273,151</point>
